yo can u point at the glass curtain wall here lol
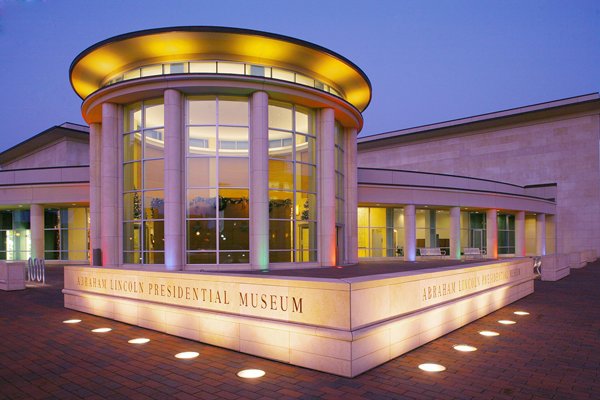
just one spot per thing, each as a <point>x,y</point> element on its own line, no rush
<point>380,232</point>
<point>506,234</point>
<point>66,234</point>
<point>15,236</point>
<point>292,184</point>
<point>433,229</point>
<point>217,180</point>
<point>473,229</point>
<point>339,188</point>
<point>143,183</point>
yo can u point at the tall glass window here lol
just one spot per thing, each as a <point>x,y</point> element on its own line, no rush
<point>217,188</point>
<point>380,232</point>
<point>292,184</point>
<point>473,229</point>
<point>433,229</point>
<point>15,236</point>
<point>143,183</point>
<point>66,235</point>
<point>506,234</point>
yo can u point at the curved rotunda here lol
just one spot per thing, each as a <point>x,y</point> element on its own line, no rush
<point>218,148</point>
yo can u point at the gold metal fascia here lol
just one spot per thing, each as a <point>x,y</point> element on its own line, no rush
<point>94,65</point>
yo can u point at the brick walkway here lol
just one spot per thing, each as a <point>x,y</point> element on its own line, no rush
<point>554,353</point>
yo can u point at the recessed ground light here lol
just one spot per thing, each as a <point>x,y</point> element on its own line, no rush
<point>186,355</point>
<point>507,322</point>
<point>101,330</point>
<point>138,341</point>
<point>521,313</point>
<point>489,333</point>
<point>432,367</point>
<point>251,373</point>
<point>464,347</point>
<point>72,321</point>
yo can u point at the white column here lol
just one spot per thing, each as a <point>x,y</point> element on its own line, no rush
<point>455,233</point>
<point>491,232</point>
<point>410,233</point>
<point>95,192</point>
<point>174,180</point>
<point>351,196</point>
<point>109,231</point>
<point>540,234</point>
<point>326,215</point>
<point>520,244</point>
<point>259,181</point>
<point>36,219</point>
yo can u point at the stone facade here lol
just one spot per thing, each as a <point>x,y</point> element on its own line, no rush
<point>526,148</point>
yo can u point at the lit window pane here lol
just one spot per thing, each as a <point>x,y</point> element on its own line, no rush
<point>306,177</point>
<point>233,257</point>
<point>282,74</point>
<point>202,140</point>
<point>154,257</point>
<point>131,74</point>
<point>202,258</point>
<point>202,172</point>
<point>154,113</point>
<point>133,117</point>
<point>203,67</point>
<point>281,256</point>
<point>132,147</point>
<point>233,112</point>
<point>305,80</point>
<point>280,117</point>
<point>281,175</point>
<point>306,206</point>
<point>201,203</point>
<point>281,205</point>
<point>154,204</point>
<point>306,256</point>
<point>306,149</point>
<point>234,203</point>
<point>281,235</point>
<point>134,257</point>
<point>233,172</point>
<point>234,235</point>
<point>305,121</point>
<point>132,206</point>
<point>132,176</point>
<point>281,145</point>
<point>131,236</point>
<point>152,70</point>
<point>154,174</point>
<point>154,235</point>
<point>154,143</point>
<point>230,68</point>
<point>202,111</point>
<point>201,235</point>
<point>306,239</point>
<point>233,141</point>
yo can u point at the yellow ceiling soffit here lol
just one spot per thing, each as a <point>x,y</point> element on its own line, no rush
<point>119,54</point>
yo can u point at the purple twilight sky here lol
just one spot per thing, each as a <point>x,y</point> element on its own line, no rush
<point>428,61</point>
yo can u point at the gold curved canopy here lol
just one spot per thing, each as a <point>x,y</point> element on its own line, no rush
<point>124,52</point>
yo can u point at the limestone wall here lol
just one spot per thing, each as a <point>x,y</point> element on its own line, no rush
<point>562,150</point>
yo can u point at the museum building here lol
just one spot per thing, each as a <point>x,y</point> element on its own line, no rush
<point>220,150</point>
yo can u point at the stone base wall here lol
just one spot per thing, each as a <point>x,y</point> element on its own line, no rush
<point>366,322</point>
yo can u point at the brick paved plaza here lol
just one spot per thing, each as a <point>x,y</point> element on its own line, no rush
<point>553,353</point>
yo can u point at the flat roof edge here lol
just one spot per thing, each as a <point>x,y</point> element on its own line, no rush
<point>548,105</point>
